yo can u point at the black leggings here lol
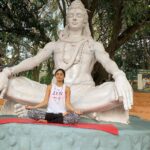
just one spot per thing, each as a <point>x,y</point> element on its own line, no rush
<point>56,118</point>
<point>37,114</point>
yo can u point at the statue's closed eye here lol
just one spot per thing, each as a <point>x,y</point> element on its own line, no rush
<point>80,15</point>
<point>70,15</point>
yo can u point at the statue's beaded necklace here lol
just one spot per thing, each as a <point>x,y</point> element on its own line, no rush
<point>79,50</point>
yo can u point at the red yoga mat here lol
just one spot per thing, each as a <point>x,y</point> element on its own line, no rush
<point>102,127</point>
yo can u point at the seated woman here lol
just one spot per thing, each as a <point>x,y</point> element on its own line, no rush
<point>57,98</point>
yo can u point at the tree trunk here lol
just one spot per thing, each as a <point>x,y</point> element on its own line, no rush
<point>36,73</point>
<point>99,74</point>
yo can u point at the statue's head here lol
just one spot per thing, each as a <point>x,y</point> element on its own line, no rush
<point>76,19</point>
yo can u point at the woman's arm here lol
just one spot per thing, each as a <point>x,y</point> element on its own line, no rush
<point>44,102</point>
<point>68,103</point>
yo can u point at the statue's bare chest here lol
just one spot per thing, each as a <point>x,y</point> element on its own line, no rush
<point>77,51</point>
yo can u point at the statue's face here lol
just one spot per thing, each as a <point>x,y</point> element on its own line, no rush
<point>75,19</point>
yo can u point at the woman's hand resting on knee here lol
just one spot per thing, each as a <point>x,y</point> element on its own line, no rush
<point>29,107</point>
<point>77,111</point>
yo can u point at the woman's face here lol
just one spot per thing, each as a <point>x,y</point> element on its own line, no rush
<point>75,19</point>
<point>59,76</point>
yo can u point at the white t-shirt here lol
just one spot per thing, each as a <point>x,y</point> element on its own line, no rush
<point>57,98</point>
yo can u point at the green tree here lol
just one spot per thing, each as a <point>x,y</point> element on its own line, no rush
<point>121,25</point>
<point>26,26</point>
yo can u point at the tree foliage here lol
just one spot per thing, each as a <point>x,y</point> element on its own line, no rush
<point>122,25</point>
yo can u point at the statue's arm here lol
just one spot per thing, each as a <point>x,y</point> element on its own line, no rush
<point>32,62</point>
<point>103,57</point>
<point>25,65</point>
<point>122,85</point>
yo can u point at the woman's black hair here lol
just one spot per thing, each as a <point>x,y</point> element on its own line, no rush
<point>63,71</point>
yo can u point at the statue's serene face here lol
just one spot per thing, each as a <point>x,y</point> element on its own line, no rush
<point>76,19</point>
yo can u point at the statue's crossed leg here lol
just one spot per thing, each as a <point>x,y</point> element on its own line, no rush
<point>106,103</point>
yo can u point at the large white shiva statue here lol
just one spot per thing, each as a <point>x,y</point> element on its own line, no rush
<point>76,52</point>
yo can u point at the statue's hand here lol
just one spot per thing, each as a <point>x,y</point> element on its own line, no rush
<point>124,90</point>
<point>3,84</point>
<point>7,72</point>
<point>21,111</point>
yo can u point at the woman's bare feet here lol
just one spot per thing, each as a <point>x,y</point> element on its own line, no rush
<point>42,120</point>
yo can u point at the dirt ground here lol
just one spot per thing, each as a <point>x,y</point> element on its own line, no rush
<point>141,107</point>
<point>1,102</point>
